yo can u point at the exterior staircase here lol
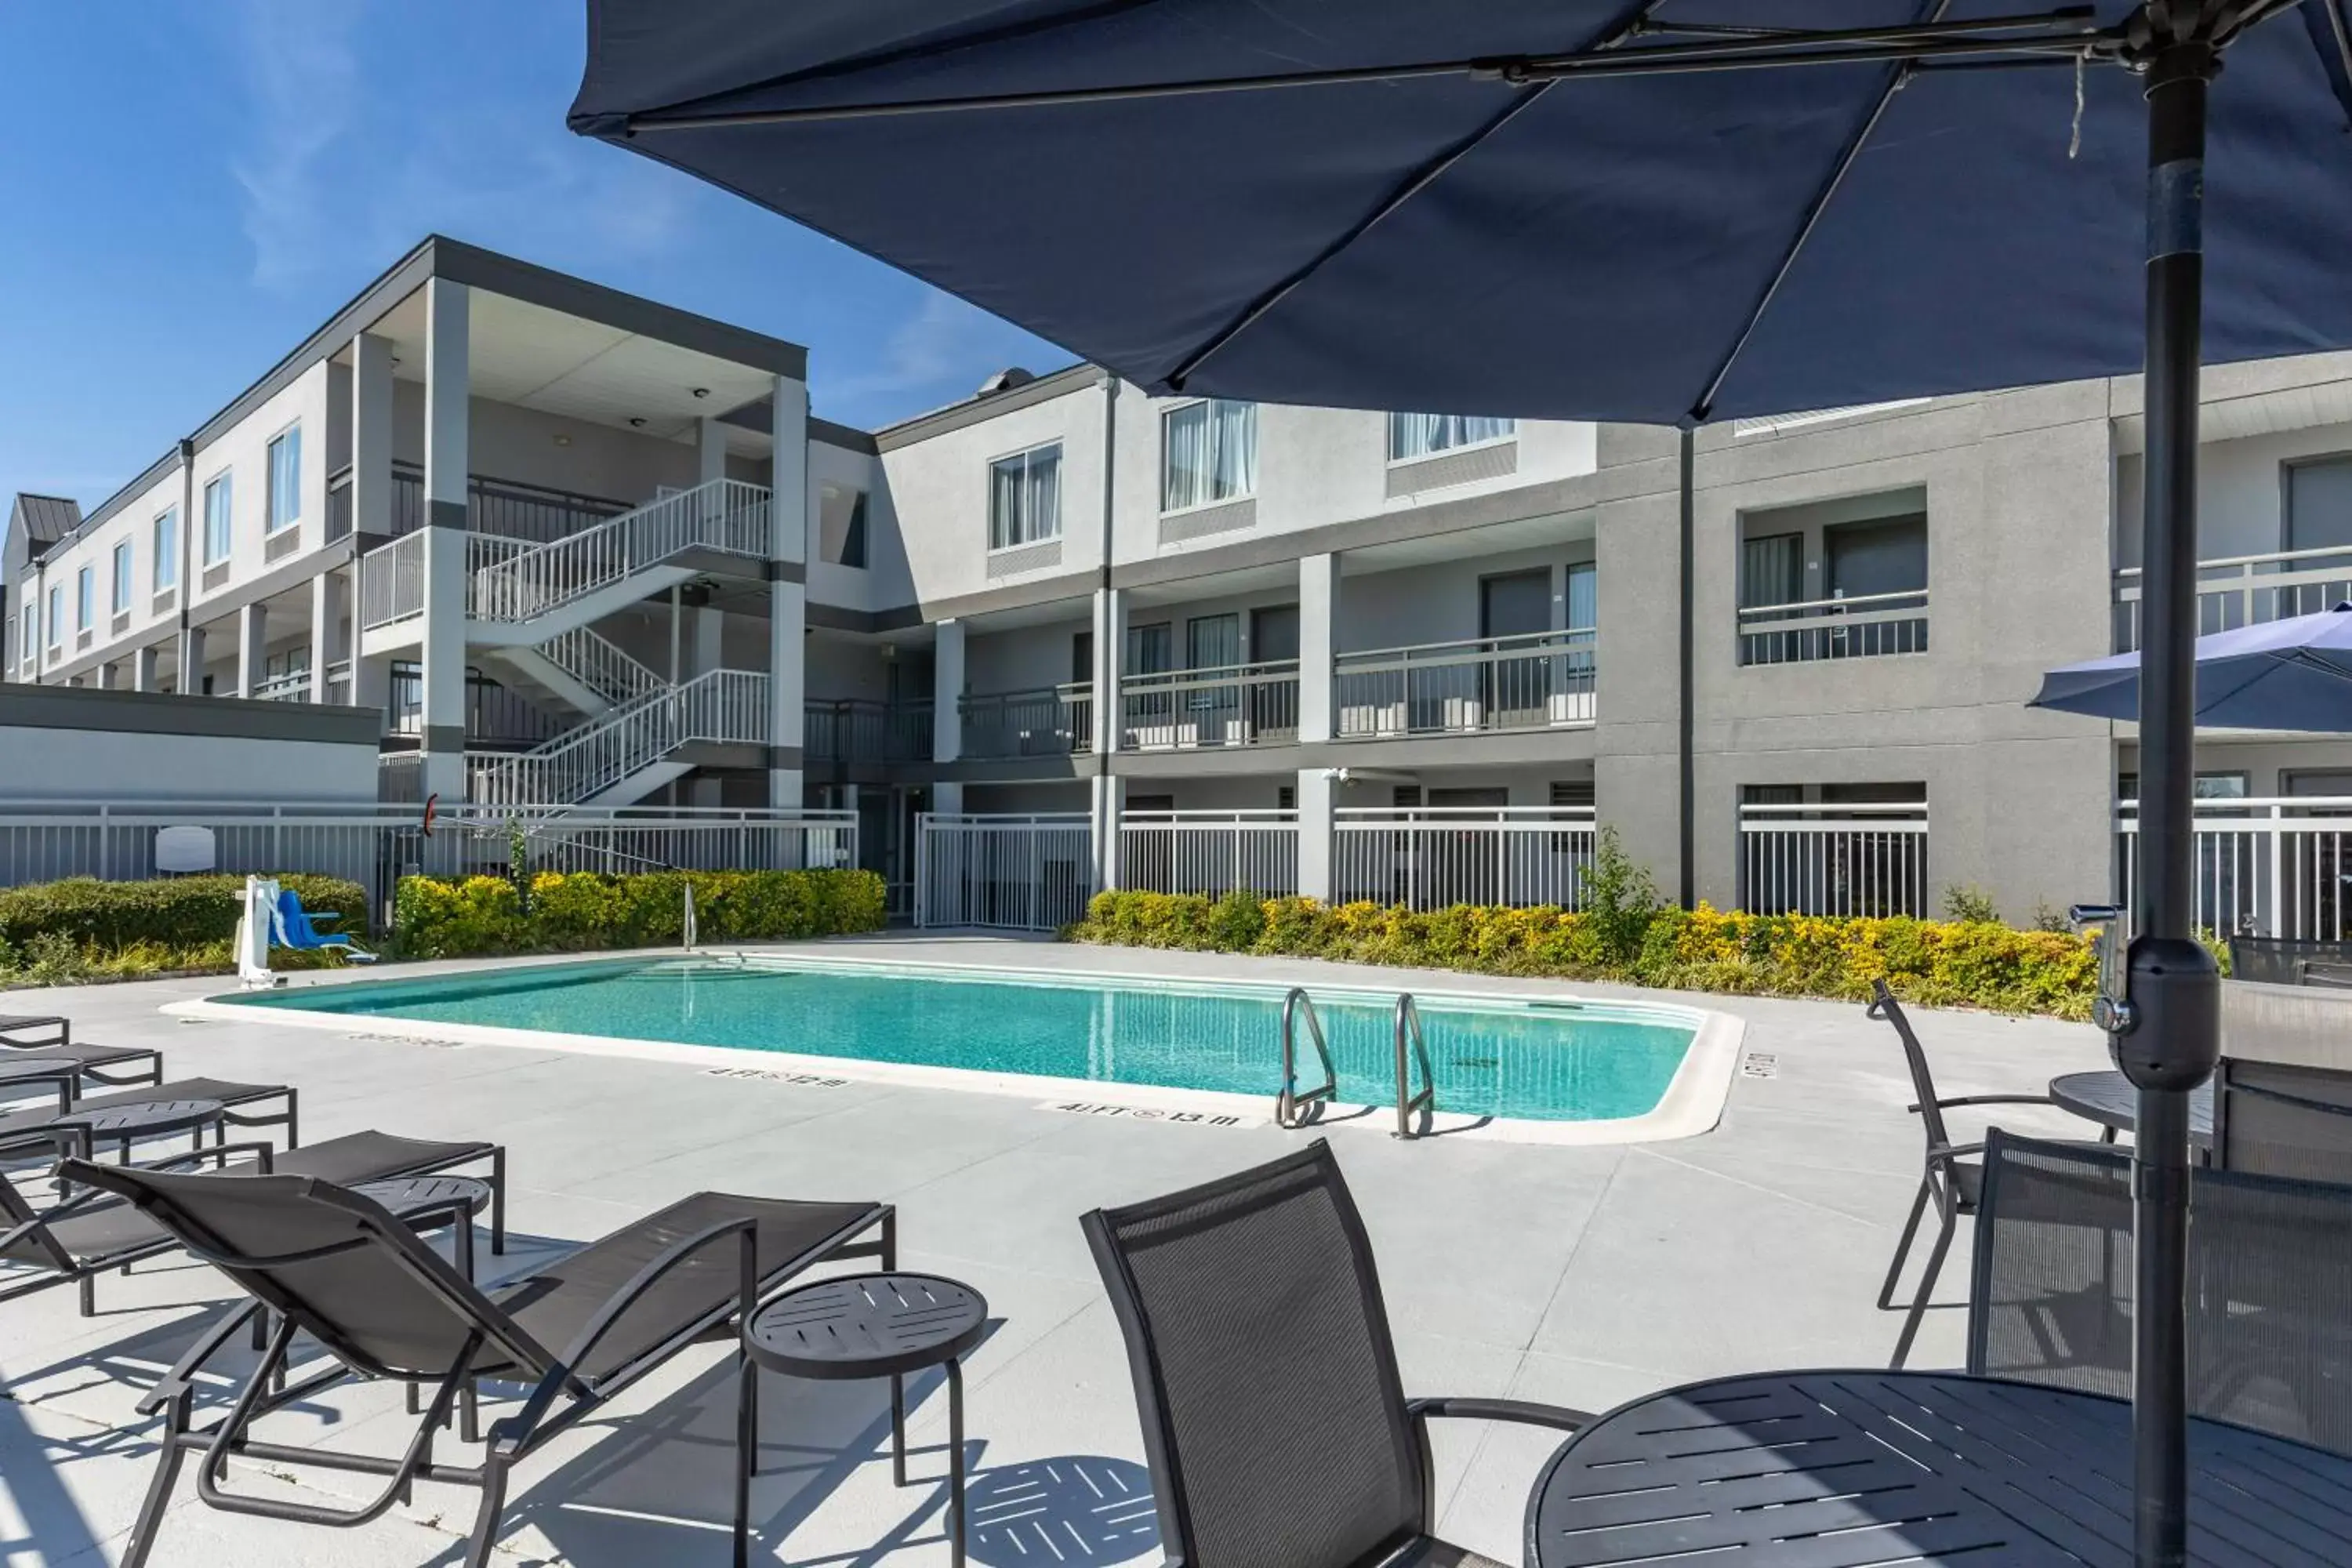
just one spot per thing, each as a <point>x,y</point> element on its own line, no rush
<point>522,594</point>
<point>578,671</point>
<point>631,750</point>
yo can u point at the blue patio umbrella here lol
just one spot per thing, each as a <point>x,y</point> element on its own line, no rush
<point>2290,674</point>
<point>1668,211</point>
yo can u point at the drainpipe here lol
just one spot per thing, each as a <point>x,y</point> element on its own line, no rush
<point>1687,784</point>
<point>1105,797</point>
<point>183,568</point>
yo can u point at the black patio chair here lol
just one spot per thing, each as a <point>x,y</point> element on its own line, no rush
<point>52,1037</point>
<point>324,1261</point>
<point>1950,1179</point>
<point>2270,1119</point>
<point>2269,1271</point>
<point>91,1232</point>
<point>2290,960</point>
<point>1276,1426</point>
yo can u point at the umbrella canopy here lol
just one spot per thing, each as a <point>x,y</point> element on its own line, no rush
<point>1652,246</point>
<point>2291,674</point>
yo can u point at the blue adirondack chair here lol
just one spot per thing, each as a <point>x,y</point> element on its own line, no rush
<point>296,929</point>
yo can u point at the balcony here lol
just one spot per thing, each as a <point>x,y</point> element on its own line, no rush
<point>2235,591</point>
<point>855,729</point>
<point>1230,705</point>
<point>1542,681</point>
<point>505,506</point>
<point>1863,626</point>
<point>294,685</point>
<point>1047,721</point>
<point>496,718</point>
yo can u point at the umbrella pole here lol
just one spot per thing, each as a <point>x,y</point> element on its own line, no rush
<point>2169,1038</point>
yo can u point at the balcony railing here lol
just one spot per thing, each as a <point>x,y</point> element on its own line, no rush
<point>1829,858</point>
<point>2274,866</point>
<point>858,729</point>
<point>1210,852</point>
<point>1864,625</point>
<point>1049,721</point>
<point>1433,857</point>
<point>1541,680</point>
<point>495,716</point>
<point>391,581</point>
<point>294,686</point>
<point>1230,705</point>
<point>2235,591</point>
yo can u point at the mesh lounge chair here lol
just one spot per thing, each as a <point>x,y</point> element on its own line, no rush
<point>2274,1120</point>
<point>240,1102</point>
<point>1277,1430</point>
<point>92,1232</point>
<point>2270,1269</point>
<point>53,1038</point>
<point>1950,1180</point>
<point>327,1262</point>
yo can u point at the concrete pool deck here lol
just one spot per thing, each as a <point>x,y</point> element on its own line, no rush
<point>1575,1275</point>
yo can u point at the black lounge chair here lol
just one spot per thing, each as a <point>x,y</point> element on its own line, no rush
<point>52,1037</point>
<point>238,1102</point>
<point>1273,1414</point>
<point>2276,1119</point>
<point>91,1232</point>
<point>2270,1269</point>
<point>325,1261</point>
<point>1950,1178</point>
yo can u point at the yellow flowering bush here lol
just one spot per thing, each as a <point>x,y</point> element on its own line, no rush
<point>582,911</point>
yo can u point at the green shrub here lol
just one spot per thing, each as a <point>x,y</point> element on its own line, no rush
<point>1964,905</point>
<point>1630,936</point>
<point>586,912</point>
<point>172,912</point>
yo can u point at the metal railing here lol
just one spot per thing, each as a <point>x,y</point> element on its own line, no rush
<point>601,665</point>
<point>294,686</point>
<point>1210,852</point>
<point>1228,705</point>
<point>719,705</point>
<point>859,730</point>
<point>1290,1102</point>
<point>1433,857</point>
<point>493,713</point>
<point>1011,872</point>
<point>1864,625</point>
<point>1834,859</point>
<point>374,844</point>
<point>1538,681</point>
<point>1045,721</point>
<point>2235,591</point>
<point>2276,865</point>
<point>504,583</point>
<point>1408,1033</point>
<point>391,581</point>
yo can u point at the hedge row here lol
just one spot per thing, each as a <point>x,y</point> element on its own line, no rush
<point>176,912</point>
<point>1936,963</point>
<point>582,912</point>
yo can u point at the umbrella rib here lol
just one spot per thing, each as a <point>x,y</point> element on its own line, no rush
<point>1421,179</point>
<point>1822,198</point>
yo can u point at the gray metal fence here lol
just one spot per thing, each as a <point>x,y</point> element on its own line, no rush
<point>1011,872</point>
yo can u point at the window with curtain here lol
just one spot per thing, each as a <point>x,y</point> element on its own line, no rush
<point>1772,571</point>
<point>1422,435</point>
<point>1025,498</point>
<point>167,550</point>
<point>57,616</point>
<point>1208,454</point>
<point>2319,505</point>
<point>217,520</point>
<point>122,599</point>
<point>1583,597</point>
<point>85,598</point>
<point>286,479</point>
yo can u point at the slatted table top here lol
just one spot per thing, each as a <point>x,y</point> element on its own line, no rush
<point>405,1195</point>
<point>867,1325</point>
<point>1846,1470</point>
<point>142,1118</point>
<point>2108,1098</point>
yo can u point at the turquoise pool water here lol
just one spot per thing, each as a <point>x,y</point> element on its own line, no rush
<point>1564,1063</point>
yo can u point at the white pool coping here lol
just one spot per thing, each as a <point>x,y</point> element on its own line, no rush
<point>1692,1104</point>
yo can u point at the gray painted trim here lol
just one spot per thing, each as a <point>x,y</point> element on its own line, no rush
<point>825,433</point>
<point>1009,770</point>
<point>784,757</point>
<point>1511,749</point>
<point>978,410</point>
<point>787,572</point>
<point>1045,591</point>
<point>438,256</point>
<point>441,738</point>
<point>210,608</point>
<point>158,713</point>
<point>454,514</point>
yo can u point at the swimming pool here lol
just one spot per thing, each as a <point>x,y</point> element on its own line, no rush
<point>1522,1060</point>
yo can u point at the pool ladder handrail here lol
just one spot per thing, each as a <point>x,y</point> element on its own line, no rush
<point>1408,1025</point>
<point>1289,1103</point>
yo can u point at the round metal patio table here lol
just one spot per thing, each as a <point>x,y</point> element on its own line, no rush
<point>1826,1469</point>
<point>2108,1098</point>
<point>879,1325</point>
<point>18,1073</point>
<point>81,1132</point>
<point>425,1200</point>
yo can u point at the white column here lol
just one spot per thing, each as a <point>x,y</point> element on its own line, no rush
<point>252,647</point>
<point>191,662</point>
<point>371,435</point>
<point>1110,661</point>
<point>947,689</point>
<point>947,797</point>
<point>1316,789</point>
<point>443,655</point>
<point>142,669</point>
<point>705,629</point>
<point>372,685</point>
<point>1319,623</point>
<point>1107,803</point>
<point>787,582</point>
<point>110,676</point>
<point>710,448</point>
<point>329,605</point>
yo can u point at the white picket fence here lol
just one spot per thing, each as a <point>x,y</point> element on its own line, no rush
<point>1210,852</point>
<point>1433,857</point>
<point>2270,866</point>
<point>1008,872</point>
<point>1834,859</point>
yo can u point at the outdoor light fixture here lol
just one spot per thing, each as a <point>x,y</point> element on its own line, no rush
<point>702,392</point>
<point>562,439</point>
<point>636,422</point>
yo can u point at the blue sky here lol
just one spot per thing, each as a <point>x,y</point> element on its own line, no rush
<point>193,186</point>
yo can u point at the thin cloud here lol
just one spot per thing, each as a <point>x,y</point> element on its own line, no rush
<point>933,352</point>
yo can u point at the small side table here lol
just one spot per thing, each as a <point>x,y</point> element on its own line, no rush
<point>80,1131</point>
<point>423,1203</point>
<point>18,1075</point>
<point>879,1325</point>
